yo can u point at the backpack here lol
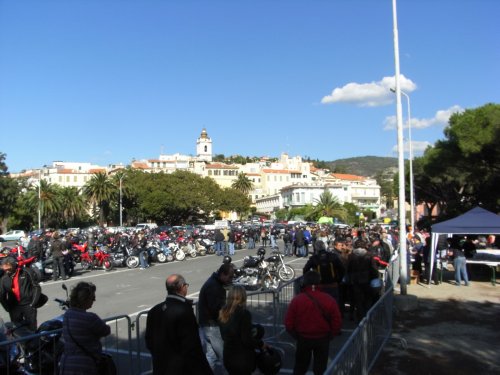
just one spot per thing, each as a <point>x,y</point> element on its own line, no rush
<point>325,268</point>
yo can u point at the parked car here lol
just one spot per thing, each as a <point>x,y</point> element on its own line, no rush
<point>11,235</point>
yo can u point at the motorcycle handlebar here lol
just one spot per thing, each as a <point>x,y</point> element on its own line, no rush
<point>61,302</point>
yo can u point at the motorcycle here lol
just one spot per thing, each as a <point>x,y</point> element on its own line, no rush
<point>37,355</point>
<point>163,253</point>
<point>278,267</point>
<point>179,254</point>
<point>207,244</point>
<point>98,259</point>
<point>256,273</point>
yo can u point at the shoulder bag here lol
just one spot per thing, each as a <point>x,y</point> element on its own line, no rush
<point>104,362</point>
<point>325,316</point>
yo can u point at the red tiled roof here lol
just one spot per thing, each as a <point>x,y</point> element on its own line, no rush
<point>139,165</point>
<point>97,170</point>
<point>350,177</point>
<point>220,166</point>
<point>279,171</point>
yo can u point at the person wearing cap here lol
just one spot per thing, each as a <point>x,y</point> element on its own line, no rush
<point>313,319</point>
<point>20,294</point>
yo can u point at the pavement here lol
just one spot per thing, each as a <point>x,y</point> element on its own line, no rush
<point>450,330</point>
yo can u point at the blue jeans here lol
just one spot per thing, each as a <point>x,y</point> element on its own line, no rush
<point>273,241</point>
<point>143,259</point>
<point>219,247</point>
<point>460,270</point>
<point>288,248</point>
<point>251,243</point>
<point>231,248</point>
<point>301,251</point>
<point>213,347</point>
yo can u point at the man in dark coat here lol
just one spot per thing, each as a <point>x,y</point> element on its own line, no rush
<point>211,299</point>
<point>172,333</point>
<point>330,268</point>
<point>300,242</point>
<point>58,250</point>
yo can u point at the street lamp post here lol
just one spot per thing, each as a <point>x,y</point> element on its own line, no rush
<point>412,199</point>
<point>121,207</point>
<point>410,149</point>
<point>40,199</point>
<point>401,165</point>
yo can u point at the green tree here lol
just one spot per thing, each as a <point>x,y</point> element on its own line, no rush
<point>100,190</point>
<point>242,184</point>
<point>72,204</point>
<point>328,205</point>
<point>9,191</point>
<point>463,170</point>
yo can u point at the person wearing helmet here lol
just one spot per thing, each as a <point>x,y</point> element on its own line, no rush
<point>261,252</point>
<point>227,259</point>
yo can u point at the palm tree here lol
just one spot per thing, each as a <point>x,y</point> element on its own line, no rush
<point>72,203</point>
<point>328,205</point>
<point>100,190</point>
<point>49,202</point>
<point>242,183</point>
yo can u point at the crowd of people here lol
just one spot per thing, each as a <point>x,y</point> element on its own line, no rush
<point>342,279</point>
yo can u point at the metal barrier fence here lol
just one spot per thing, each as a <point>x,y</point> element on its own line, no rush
<point>356,356</point>
<point>39,353</point>
<point>360,352</point>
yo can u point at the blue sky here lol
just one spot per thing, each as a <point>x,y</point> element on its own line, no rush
<point>111,81</point>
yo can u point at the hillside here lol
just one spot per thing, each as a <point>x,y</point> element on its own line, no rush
<point>367,166</point>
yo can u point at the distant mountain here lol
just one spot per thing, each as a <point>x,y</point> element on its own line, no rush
<point>367,166</point>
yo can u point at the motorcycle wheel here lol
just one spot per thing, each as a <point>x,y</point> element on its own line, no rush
<point>170,258</point>
<point>107,265</point>
<point>86,265</point>
<point>132,262</point>
<point>180,255</point>
<point>202,252</point>
<point>161,257</point>
<point>286,273</point>
<point>193,253</point>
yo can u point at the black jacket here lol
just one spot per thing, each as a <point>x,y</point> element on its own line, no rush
<point>57,248</point>
<point>173,339</point>
<point>211,299</point>
<point>239,343</point>
<point>328,265</point>
<point>29,290</point>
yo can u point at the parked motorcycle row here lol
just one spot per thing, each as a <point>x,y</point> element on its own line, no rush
<point>107,251</point>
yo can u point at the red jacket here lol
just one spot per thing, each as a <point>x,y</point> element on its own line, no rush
<point>305,319</point>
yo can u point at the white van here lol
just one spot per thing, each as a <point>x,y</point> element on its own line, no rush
<point>142,226</point>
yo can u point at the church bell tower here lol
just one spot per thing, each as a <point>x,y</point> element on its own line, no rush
<point>204,147</point>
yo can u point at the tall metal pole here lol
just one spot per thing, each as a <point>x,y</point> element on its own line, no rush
<point>412,199</point>
<point>121,218</point>
<point>40,199</point>
<point>401,164</point>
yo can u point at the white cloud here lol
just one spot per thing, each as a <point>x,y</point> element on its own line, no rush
<point>418,147</point>
<point>440,118</point>
<point>371,94</point>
